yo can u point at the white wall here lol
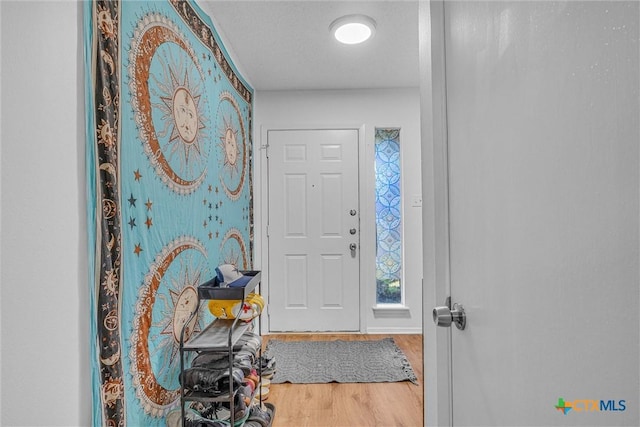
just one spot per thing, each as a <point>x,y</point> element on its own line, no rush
<point>45,315</point>
<point>44,297</point>
<point>371,109</point>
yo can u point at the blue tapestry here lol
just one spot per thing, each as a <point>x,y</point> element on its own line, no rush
<point>169,193</point>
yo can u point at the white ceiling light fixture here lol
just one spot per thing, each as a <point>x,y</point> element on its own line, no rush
<point>353,29</point>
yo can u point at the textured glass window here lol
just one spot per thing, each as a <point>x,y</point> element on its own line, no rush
<point>388,217</point>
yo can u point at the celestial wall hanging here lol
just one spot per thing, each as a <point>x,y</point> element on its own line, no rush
<point>169,193</point>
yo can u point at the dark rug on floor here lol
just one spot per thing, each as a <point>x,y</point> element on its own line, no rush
<point>311,362</point>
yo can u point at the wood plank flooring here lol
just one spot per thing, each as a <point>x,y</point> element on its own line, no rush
<point>357,405</point>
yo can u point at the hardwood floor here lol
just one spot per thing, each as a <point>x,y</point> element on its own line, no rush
<point>357,405</point>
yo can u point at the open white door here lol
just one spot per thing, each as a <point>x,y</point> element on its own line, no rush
<point>542,154</point>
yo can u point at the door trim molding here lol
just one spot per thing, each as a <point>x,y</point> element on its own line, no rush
<point>438,405</point>
<point>261,209</point>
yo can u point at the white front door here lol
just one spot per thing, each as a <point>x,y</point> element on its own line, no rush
<point>543,175</point>
<point>313,230</point>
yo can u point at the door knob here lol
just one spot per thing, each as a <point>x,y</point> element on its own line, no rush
<point>444,316</point>
<point>353,246</point>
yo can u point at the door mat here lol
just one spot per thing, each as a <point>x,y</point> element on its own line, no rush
<point>314,362</point>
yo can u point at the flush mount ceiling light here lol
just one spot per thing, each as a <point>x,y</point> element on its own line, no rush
<point>353,29</point>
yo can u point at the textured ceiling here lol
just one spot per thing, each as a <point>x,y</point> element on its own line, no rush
<point>286,45</point>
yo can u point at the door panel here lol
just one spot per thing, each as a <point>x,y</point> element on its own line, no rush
<point>313,274</point>
<point>543,133</point>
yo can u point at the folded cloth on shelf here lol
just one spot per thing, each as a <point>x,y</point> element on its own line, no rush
<point>228,273</point>
<point>231,276</point>
<point>241,282</point>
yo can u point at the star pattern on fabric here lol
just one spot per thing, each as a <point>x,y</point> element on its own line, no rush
<point>211,222</point>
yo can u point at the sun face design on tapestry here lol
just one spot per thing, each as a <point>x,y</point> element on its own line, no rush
<point>234,250</point>
<point>165,303</point>
<point>183,119</point>
<point>233,145</point>
<point>169,103</point>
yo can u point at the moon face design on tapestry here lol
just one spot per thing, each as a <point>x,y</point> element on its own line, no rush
<point>169,102</point>
<point>165,302</point>
<point>233,145</point>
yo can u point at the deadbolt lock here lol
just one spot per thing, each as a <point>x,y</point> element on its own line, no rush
<point>445,315</point>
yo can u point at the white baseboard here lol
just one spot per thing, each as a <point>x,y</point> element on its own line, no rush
<point>395,330</point>
<point>398,331</point>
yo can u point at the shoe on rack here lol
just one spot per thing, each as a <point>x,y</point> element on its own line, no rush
<point>223,380</point>
<point>266,366</point>
<point>254,378</point>
<point>211,380</point>
<point>245,391</point>
<point>213,411</point>
<point>174,418</point>
<point>194,419</point>
<point>240,409</point>
<point>249,354</point>
<point>264,393</point>
<point>260,416</point>
<point>210,359</point>
<point>266,362</point>
<point>243,362</point>
<point>249,341</point>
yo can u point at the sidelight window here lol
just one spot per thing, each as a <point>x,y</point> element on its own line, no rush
<point>388,216</point>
